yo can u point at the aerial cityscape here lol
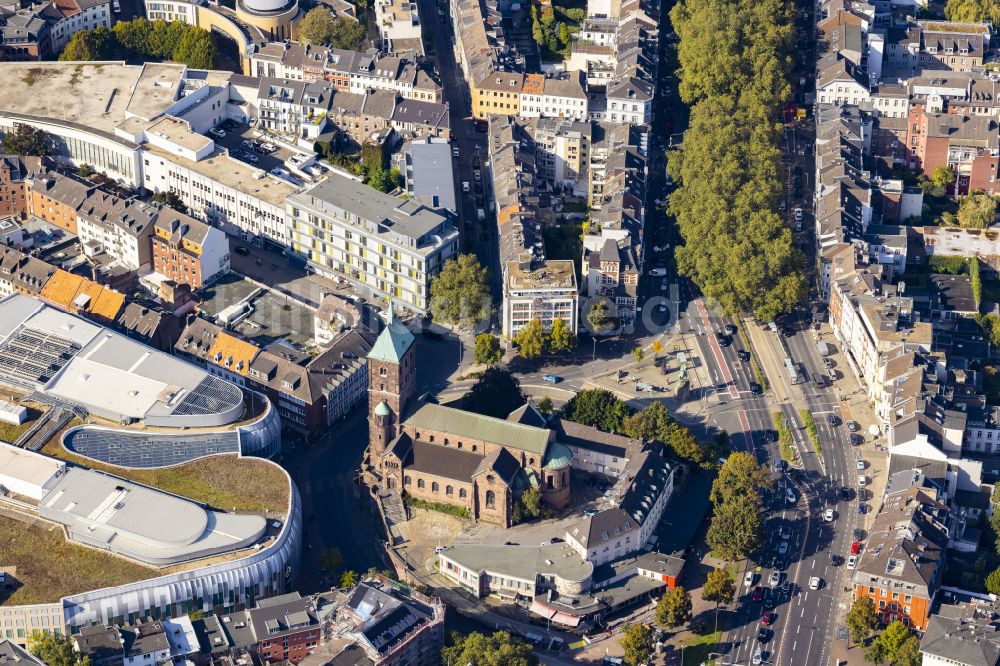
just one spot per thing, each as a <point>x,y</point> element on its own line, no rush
<point>499,332</point>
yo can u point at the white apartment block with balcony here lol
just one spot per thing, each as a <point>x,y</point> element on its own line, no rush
<point>544,290</point>
<point>384,246</point>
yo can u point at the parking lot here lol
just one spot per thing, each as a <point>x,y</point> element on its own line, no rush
<point>234,140</point>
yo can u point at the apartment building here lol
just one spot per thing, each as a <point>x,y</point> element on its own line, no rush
<point>76,15</point>
<point>119,227</point>
<point>533,287</point>
<point>969,145</point>
<point>901,567</point>
<point>186,250</point>
<point>384,246</point>
<point>21,273</point>
<point>56,198</point>
<point>224,191</point>
<point>25,34</point>
<point>15,172</point>
<point>840,82</point>
<point>611,270</point>
<point>562,151</point>
<point>399,25</point>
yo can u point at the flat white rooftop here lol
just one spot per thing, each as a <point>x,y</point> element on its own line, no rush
<point>27,466</point>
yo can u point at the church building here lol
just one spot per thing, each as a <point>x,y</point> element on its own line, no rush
<point>442,454</point>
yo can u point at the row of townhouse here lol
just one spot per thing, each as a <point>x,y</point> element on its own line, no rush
<point>310,392</point>
<point>348,71</point>
<point>913,353</point>
<point>139,235</point>
<point>499,85</point>
<point>39,30</point>
<point>307,110</point>
<point>374,622</point>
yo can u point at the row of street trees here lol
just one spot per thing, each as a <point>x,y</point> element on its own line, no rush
<point>734,68</point>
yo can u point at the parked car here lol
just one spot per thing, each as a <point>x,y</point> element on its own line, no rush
<point>749,579</point>
<point>862,508</point>
<point>454,151</point>
<point>658,272</point>
<point>764,635</point>
<point>775,579</point>
<point>798,214</point>
<point>767,618</point>
<point>859,463</point>
<point>756,388</point>
<point>758,594</point>
<point>785,532</point>
<point>218,132</point>
<point>551,379</point>
<point>852,425</point>
<point>856,548</point>
<point>465,186</point>
<point>731,329</point>
<point>783,548</point>
<point>790,496</point>
<point>852,562</point>
<point>856,439</point>
<point>828,515</point>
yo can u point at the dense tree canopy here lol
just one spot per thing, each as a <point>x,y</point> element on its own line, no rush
<point>740,476</point>
<point>598,408</point>
<point>498,649</point>
<point>637,643</point>
<point>146,40</point>
<point>720,587</point>
<point>674,608</point>
<point>977,211</point>
<point>735,530</point>
<point>460,294</point>
<point>55,650</point>
<point>497,393</point>
<point>26,140</point>
<point>973,11</point>
<point>487,350</point>
<point>862,619</point>
<point>734,70</point>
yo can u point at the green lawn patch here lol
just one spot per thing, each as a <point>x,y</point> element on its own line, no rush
<point>785,444</point>
<point>697,649</point>
<point>49,567</point>
<point>224,482</point>
<point>810,423</point>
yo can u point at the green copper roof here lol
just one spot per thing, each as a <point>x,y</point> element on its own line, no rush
<point>476,426</point>
<point>382,409</point>
<point>392,342</point>
<point>558,456</point>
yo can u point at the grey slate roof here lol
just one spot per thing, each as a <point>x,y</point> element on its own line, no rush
<point>12,654</point>
<point>443,461</point>
<point>962,642</point>
<point>501,463</point>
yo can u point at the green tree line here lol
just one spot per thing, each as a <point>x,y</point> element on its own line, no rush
<point>734,67</point>
<point>144,39</point>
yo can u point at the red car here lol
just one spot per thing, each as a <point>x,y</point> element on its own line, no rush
<point>758,594</point>
<point>767,617</point>
<point>856,548</point>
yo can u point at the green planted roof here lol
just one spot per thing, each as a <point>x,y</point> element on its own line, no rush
<point>392,342</point>
<point>476,426</point>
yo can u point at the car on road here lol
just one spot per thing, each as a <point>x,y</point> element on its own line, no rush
<point>439,549</point>
<point>664,284</point>
<point>827,363</point>
<point>859,534</point>
<point>862,508</point>
<point>749,579</point>
<point>815,583</point>
<point>217,132</point>
<point>731,329</point>
<point>764,635</point>
<point>785,533</point>
<point>836,560</point>
<point>790,496</point>
<point>743,355</point>
<point>860,464</point>
<point>551,379</point>
<point>833,420</point>
<point>862,480</point>
<point>723,339</point>
<point>828,515</point>
<point>465,186</point>
<point>852,425</point>
<point>798,214</point>
<point>856,439</point>
<point>856,548</point>
<point>757,594</point>
<point>778,465</point>
<point>775,579</point>
<point>454,151</point>
<point>780,564</point>
<point>758,657</point>
<point>756,388</point>
<point>782,548</point>
<point>845,494</point>
<point>658,272</point>
<point>767,618</point>
<point>852,562</point>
